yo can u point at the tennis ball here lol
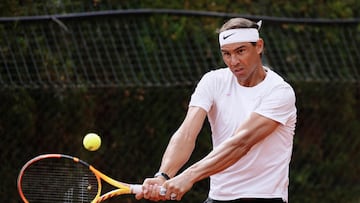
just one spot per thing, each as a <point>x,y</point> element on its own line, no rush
<point>92,141</point>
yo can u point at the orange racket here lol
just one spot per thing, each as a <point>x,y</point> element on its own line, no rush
<point>63,178</point>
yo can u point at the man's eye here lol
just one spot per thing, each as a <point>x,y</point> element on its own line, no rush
<point>241,51</point>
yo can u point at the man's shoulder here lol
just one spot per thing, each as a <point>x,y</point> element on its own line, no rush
<point>218,73</point>
<point>275,78</point>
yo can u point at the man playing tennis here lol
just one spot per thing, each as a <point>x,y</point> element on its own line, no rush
<point>252,114</point>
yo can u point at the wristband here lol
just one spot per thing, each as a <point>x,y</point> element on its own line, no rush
<point>164,175</point>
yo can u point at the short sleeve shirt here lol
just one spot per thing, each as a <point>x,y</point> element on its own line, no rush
<point>263,171</point>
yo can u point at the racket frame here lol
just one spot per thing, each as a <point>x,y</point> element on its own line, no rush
<point>122,188</point>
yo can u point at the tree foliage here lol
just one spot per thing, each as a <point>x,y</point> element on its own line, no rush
<point>333,9</point>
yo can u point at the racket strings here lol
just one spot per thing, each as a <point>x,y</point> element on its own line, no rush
<point>59,180</point>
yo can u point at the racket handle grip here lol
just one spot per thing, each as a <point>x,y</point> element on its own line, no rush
<point>136,188</point>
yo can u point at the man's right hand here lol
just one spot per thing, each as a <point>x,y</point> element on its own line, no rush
<point>151,189</point>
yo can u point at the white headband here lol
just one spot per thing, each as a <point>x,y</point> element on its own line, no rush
<point>239,35</point>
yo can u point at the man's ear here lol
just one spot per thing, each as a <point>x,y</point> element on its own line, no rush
<point>260,46</point>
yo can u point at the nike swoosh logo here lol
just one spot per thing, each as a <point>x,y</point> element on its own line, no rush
<point>225,37</point>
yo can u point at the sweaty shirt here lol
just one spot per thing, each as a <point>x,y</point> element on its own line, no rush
<point>263,172</point>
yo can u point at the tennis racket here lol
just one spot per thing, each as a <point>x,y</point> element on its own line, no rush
<point>63,178</point>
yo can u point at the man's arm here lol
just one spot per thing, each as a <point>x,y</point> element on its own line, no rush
<point>255,129</point>
<point>182,143</point>
<point>177,153</point>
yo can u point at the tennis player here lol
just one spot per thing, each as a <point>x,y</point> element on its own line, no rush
<point>252,113</point>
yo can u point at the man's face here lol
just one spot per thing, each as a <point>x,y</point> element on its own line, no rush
<point>242,58</point>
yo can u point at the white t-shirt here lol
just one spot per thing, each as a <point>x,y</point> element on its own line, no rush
<point>263,172</point>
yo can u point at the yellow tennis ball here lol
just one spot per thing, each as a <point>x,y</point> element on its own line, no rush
<point>92,141</point>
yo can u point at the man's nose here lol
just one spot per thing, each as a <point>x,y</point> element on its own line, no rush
<point>234,60</point>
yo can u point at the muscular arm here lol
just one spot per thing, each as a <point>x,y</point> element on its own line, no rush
<point>177,153</point>
<point>247,135</point>
<point>182,143</point>
<point>255,129</point>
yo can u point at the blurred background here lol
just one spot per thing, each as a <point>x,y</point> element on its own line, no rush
<point>126,70</point>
